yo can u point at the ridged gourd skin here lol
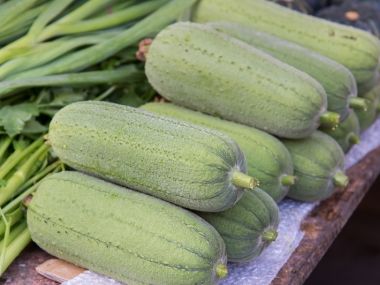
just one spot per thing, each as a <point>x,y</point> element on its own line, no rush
<point>197,67</point>
<point>347,133</point>
<point>367,117</point>
<point>358,50</point>
<point>318,165</point>
<point>248,227</point>
<point>129,236</point>
<point>336,79</point>
<point>267,158</point>
<point>185,164</point>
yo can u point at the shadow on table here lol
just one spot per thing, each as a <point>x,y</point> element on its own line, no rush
<point>354,257</point>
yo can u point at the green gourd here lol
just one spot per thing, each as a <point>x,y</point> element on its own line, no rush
<point>318,165</point>
<point>127,235</point>
<point>267,159</point>
<point>187,165</point>
<point>347,133</point>
<point>358,50</point>
<point>197,67</point>
<point>367,117</point>
<point>337,80</point>
<point>248,227</point>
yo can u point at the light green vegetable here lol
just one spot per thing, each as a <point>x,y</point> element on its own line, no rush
<point>248,227</point>
<point>318,164</point>
<point>124,234</point>
<point>187,165</point>
<point>367,117</point>
<point>267,159</point>
<point>197,67</point>
<point>347,133</point>
<point>337,80</point>
<point>359,51</point>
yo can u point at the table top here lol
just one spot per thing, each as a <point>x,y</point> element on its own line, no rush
<point>321,227</point>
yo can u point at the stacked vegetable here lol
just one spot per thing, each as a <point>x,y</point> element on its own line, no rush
<point>54,53</point>
<point>257,100</point>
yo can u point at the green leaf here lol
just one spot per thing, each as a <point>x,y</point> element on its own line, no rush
<point>34,127</point>
<point>13,118</point>
<point>65,98</point>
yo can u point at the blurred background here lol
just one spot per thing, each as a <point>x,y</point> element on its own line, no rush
<point>363,14</point>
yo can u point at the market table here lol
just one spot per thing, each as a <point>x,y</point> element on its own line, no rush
<point>320,227</point>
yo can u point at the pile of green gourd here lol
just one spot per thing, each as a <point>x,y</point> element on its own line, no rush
<point>261,109</point>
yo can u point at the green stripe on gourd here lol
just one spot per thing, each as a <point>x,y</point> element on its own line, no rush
<point>337,80</point>
<point>202,69</point>
<point>124,234</point>
<point>248,227</point>
<point>318,165</point>
<point>347,133</point>
<point>267,159</point>
<point>367,117</point>
<point>187,165</point>
<point>359,51</point>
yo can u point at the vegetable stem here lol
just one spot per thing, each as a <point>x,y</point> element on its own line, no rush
<point>20,198</point>
<point>103,22</point>
<point>330,120</point>
<point>13,160</point>
<point>119,75</point>
<point>12,218</point>
<point>36,178</point>
<point>15,248</point>
<point>22,174</point>
<point>269,235</point>
<point>93,55</point>
<point>358,103</point>
<point>221,271</point>
<point>340,179</point>
<point>288,180</point>
<point>243,180</point>
<point>353,138</point>
<point>13,233</point>
<point>4,144</point>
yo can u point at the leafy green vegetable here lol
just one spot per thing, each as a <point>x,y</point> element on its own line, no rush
<point>13,118</point>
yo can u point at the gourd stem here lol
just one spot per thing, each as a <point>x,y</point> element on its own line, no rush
<point>269,235</point>
<point>240,179</point>
<point>358,103</point>
<point>288,180</point>
<point>143,50</point>
<point>221,271</point>
<point>353,138</point>
<point>329,120</point>
<point>340,179</point>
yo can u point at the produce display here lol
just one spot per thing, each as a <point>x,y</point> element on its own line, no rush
<point>247,228</point>
<point>357,50</point>
<point>367,117</point>
<point>337,80</point>
<point>181,75</point>
<point>151,141</point>
<point>347,133</point>
<point>267,158</point>
<point>318,165</point>
<point>190,166</point>
<point>125,234</point>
